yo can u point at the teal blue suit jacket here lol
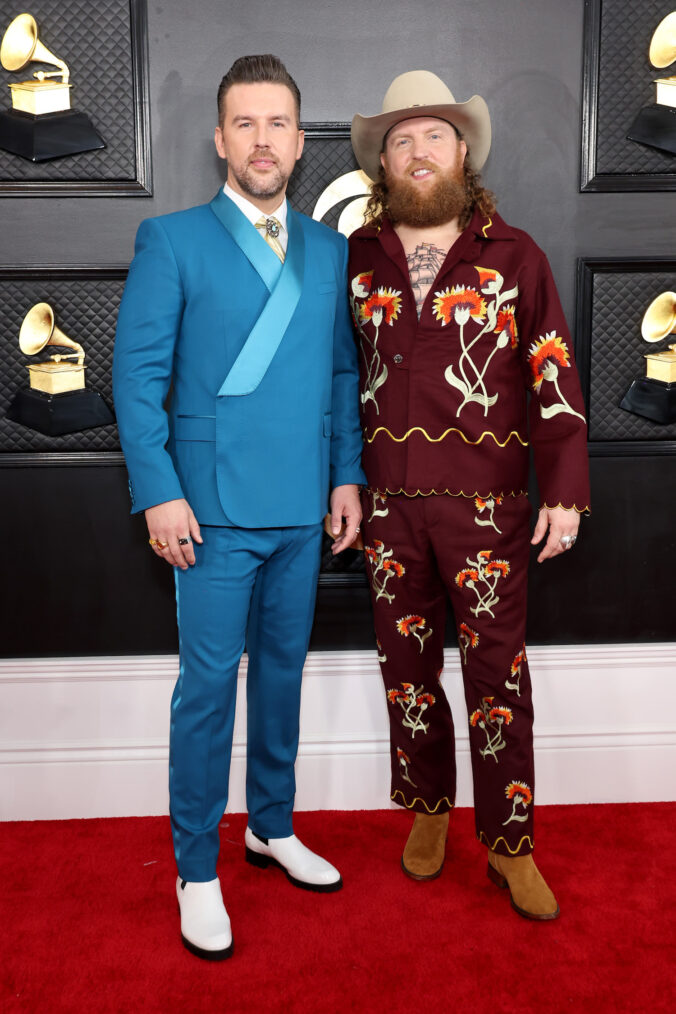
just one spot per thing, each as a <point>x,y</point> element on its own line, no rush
<point>256,453</point>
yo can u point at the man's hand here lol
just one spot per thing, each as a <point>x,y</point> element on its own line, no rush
<point>167,523</point>
<point>562,523</point>
<point>344,504</point>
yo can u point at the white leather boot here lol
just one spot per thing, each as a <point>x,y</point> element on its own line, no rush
<point>205,926</point>
<point>302,867</point>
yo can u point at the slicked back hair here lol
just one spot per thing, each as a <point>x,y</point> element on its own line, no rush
<point>254,70</point>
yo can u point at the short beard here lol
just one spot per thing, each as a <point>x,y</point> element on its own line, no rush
<point>269,186</point>
<point>445,200</point>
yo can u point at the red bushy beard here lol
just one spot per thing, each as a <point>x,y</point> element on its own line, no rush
<point>445,200</point>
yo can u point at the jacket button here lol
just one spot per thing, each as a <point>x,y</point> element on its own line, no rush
<point>398,358</point>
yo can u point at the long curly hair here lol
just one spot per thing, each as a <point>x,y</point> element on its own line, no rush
<point>477,197</point>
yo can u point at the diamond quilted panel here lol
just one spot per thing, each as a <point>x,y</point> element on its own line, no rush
<point>619,302</point>
<point>85,309</point>
<point>626,85</point>
<point>324,159</point>
<point>94,39</point>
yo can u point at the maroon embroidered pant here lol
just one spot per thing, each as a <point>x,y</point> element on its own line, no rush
<point>418,550</point>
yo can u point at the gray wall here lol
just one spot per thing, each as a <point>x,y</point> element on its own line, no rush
<point>525,58</point>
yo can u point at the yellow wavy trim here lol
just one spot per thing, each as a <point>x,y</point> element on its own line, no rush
<point>398,792</point>
<point>487,226</point>
<point>445,492</point>
<point>580,510</point>
<point>484,838</point>
<point>436,440</point>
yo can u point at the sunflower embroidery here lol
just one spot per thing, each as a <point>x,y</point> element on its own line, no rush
<point>383,567</point>
<point>519,794</point>
<point>506,324</point>
<point>491,719</point>
<point>413,703</point>
<point>377,497</point>
<point>361,284</point>
<point>490,279</point>
<point>404,761</point>
<point>466,577</point>
<point>546,357</point>
<point>375,308</point>
<point>462,304</point>
<point>489,506</point>
<point>482,576</point>
<point>412,625</point>
<point>467,638</point>
<point>383,304</point>
<point>515,672</point>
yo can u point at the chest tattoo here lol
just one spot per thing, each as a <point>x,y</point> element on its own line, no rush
<point>423,267</point>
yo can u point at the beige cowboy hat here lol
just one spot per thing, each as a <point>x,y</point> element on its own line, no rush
<point>421,93</point>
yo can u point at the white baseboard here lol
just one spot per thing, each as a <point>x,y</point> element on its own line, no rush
<point>88,737</point>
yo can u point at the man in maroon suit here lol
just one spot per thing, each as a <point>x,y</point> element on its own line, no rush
<point>458,318</point>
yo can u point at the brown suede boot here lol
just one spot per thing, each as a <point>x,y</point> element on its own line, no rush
<point>425,850</point>
<point>530,895</point>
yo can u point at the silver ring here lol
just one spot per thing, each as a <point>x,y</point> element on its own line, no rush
<point>184,542</point>
<point>568,541</point>
<point>357,530</point>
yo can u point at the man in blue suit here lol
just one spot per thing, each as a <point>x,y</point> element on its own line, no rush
<point>239,308</point>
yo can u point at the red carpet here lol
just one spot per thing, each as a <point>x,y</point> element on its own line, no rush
<point>90,923</point>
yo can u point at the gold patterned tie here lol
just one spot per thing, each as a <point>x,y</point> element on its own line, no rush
<point>270,227</point>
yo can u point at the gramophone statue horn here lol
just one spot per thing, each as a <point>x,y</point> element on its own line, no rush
<point>20,46</point>
<point>39,330</point>
<point>57,401</point>
<point>662,51</point>
<point>41,124</point>
<point>654,396</point>
<point>659,320</point>
<point>655,125</point>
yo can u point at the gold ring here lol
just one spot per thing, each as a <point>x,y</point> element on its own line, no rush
<point>158,543</point>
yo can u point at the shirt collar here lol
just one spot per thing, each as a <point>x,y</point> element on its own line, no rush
<point>490,226</point>
<point>252,212</point>
<point>482,226</point>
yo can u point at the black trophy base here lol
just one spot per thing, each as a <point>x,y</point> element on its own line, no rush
<point>56,414</point>
<point>656,127</point>
<point>51,135</point>
<point>651,399</point>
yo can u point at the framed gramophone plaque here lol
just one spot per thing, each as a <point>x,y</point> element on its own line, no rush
<point>56,340</point>
<point>74,103</point>
<point>626,317</point>
<point>625,97</point>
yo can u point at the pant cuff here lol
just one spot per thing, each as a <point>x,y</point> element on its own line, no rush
<point>504,848</point>
<point>419,805</point>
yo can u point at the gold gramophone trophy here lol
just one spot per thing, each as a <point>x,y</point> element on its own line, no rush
<point>57,401</point>
<point>656,125</point>
<point>41,124</point>
<point>654,396</point>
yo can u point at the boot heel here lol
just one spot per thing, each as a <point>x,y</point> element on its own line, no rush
<point>256,859</point>
<point>496,877</point>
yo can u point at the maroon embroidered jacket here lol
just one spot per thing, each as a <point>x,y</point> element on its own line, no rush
<point>444,399</point>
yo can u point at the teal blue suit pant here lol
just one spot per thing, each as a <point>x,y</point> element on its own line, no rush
<point>255,587</point>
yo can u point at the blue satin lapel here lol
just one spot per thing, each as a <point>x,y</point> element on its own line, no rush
<point>266,335</point>
<point>250,242</point>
